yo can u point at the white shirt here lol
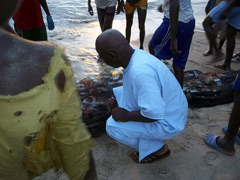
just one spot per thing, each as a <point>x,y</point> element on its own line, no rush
<point>185,10</point>
<point>103,4</point>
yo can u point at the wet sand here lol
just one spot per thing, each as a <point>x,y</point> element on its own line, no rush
<point>190,158</point>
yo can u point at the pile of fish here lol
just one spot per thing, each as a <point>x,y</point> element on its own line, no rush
<point>208,89</point>
<point>94,92</point>
<point>201,89</point>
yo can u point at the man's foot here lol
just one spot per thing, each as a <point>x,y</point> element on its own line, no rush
<point>224,129</point>
<point>218,57</point>
<point>158,155</point>
<point>236,55</point>
<point>213,141</point>
<point>141,47</point>
<point>207,53</point>
<point>223,67</point>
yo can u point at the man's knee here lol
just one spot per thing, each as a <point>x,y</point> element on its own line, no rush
<point>207,22</point>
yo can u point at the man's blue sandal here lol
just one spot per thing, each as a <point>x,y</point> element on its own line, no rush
<point>224,129</point>
<point>210,139</point>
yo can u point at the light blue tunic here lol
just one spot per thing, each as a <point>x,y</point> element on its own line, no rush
<point>151,88</point>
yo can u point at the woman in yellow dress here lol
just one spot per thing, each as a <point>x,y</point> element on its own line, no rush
<point>40,118</point>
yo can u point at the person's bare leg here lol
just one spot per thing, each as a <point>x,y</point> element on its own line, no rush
<point>150,49</point>
<point>220,44</point>
<point>178,72</point>
<point>101,13</point>
<point>227,142</point>
<point>108,18</point>
<point>209,51</point>
<point>129,22</point>
<point>231,35</point>
<point>211,35</point>
<point>142,13</point>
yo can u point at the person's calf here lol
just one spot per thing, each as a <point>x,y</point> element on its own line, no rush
<point>178,72</point>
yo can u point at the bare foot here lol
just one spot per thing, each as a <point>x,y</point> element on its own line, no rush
<point>207,53</point>
<point>223,67</point>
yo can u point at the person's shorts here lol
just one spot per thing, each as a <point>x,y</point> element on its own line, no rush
<point>140,4</point>
<point>236,85</point>
<point>161,41</point>
<point>233,17</point>
<point>34,34</point>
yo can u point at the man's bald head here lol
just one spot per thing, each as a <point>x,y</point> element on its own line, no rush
<point>110,41</point>
<point>113,47</point>
<point>7,8</point>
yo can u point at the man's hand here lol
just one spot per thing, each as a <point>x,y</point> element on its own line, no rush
<point>174,47</point>
<point>160,8</point>
<point>111,104</point>
<point>120,114</point>
<point>90,10</point>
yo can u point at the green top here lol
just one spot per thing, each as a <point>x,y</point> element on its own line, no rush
<point>42,128</point>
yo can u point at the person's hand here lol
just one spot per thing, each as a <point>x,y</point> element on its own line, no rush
<point>174,47</point>
<point>111,104</point>
<point>120,7</point>
<point>160,8</point>
<point>120,114</point>
<point>50,22</point>
<point>90,10</point>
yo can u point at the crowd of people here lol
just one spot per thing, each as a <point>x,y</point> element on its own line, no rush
<point>41,125</point>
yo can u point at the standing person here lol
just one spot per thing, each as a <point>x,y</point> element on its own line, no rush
<point>150,106</point>
<point>106,11</point>
<point>28,20</point>
<point>174,36</point>
<point>225,144</point>
<point>229,11</point>
<point>218,28</point>
<point>130,7</point>
<point>40,123</point>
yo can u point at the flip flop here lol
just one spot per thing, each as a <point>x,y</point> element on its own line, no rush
<point>210,139</point>
<point>148,159</point>
<point>224,129</point>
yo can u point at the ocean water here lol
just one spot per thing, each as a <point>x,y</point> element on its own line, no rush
<point>76,30</point>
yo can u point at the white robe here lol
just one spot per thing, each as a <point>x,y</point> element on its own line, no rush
<point>151,88</point>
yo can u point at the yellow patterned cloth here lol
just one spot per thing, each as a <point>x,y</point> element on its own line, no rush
<point>42,128</point>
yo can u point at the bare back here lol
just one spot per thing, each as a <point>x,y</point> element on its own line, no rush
<point>23,63</point>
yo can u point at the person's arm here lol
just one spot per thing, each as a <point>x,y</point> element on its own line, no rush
<point>90,9</point>
<point>174,12</point>
<point>45,7</point>
<point>50,22</point>
<point>123,115</point>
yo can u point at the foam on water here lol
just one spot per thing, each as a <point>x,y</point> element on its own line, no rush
<point>76,30</point>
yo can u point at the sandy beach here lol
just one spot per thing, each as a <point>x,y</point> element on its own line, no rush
<point>190,158</point>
